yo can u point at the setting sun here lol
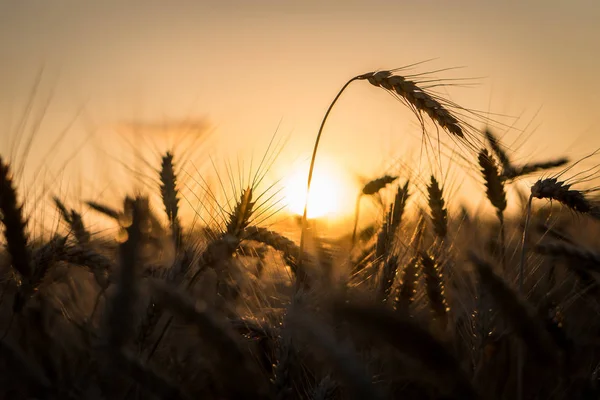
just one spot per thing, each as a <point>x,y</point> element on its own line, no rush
<point>329,192</point>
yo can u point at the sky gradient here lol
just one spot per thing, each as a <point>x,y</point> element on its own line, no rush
<point>250,68</point>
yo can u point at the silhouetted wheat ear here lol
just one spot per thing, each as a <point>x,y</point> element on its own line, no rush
<point>434,287</point>
<point>552,189</point>
<point>439,214</point>
<point>376,185</point>
<point>170,195</point>
<point>75,221</point>
<point>521,317</point>
<point>240,216</point>
<point>408,284</point>
<point>104,209</point>
<point>535,167</point>
<point>498,150</point>
<point>78,228</point>
<point>422,101</point>
<point>493,182</point>
<point>387,277</point>
<point>399,206</point>
<point>15,224</point>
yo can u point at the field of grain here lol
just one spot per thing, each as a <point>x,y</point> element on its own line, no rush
<point>425,302</point>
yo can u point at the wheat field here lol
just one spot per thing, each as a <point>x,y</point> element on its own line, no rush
<point>425,302</point>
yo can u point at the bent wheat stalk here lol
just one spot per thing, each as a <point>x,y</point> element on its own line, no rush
<point>416,98</point>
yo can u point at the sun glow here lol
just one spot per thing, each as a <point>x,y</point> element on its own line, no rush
<point>329,193</point>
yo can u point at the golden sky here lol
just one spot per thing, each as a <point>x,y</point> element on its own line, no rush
<point>253,67</point>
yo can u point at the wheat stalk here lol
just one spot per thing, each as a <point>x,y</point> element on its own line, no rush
<point>120,317</point>
<point>369,189</point>
<point>419,100</point>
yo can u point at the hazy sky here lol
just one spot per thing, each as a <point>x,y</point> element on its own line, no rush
<point>251,66</point>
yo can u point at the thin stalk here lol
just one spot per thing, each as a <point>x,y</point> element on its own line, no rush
<point>310,173</point>
<point>521,355</point>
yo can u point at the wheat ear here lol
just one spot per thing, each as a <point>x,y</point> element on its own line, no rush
<point>434,287</point>
<point>552,189</point>
<point>439,214</point>
<point>170,196</point>
<point>418,99</point>
<point>15,224</point>
<point>495,193</point>
<point>104,209</point>
<point>371,188</point>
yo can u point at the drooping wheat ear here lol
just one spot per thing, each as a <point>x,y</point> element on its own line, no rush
<point>552,189</point>
<point>590,259</point>
<point>240,216</point>
<point>279,242</point>
<point>439,214</point>
<point>170,195</point>
<point>404,334</point>
<point>104,209</point>
<point>434,287</point>
<point>493,182</point>
<point>417,98</point>
<point>243,380</point>
<point>15,224</point>
<point>521,317</point>
<point>374,186</point>
<point>408,284</point>
<point>121,314</point>
<point>535,167</point>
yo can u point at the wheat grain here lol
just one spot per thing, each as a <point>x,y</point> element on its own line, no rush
<point>416,97</point>
<point>552,189</point>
